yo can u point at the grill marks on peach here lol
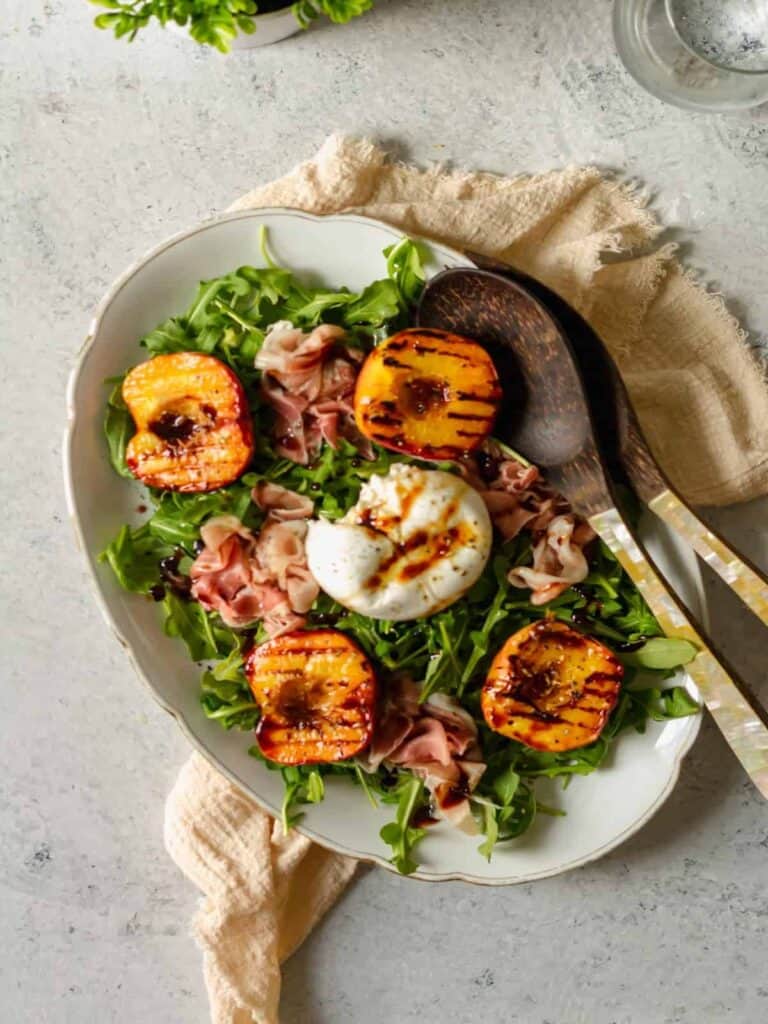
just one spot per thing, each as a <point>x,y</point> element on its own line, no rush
<point>416,346</point>
<point>193,425</point>
<point>551,687</point>
<point>317,693</point>
<point>466,416</point>
<point>429,393</point>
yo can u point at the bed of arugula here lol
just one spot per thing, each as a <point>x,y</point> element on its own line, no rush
<point>449,651</point>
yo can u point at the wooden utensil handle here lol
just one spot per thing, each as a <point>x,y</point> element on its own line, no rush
<point>742,724</point>
<point>740,575</point>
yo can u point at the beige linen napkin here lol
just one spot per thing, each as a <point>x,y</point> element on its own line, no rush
<point>264,892</point>
<point>700,395</point>
<point>698,390</point>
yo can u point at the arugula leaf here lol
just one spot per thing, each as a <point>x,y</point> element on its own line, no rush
<point>638,620</point>
<point>405,267</point>
<point>315,787</point>
<point>242,714</point>
<point>678,703</point>
<point>118,427</point>
<point>508,807</point>
<point>134,557</point>
<point>310,314</point>
<point>583,761</point>
<point>664,704</point>
<point>169,336</point>
<point>229,314</point>
<point>506,785</point>
<point>376,305</point>
<point>294,790</point>
<point>481,637</point>
<point>335,479</point>
<point>226,696</point>
<point>517,817</point>
<point>204,634</point>
<point>490,827</point>
<point>178,517</point>
<point>661,652</point>
<point>400,834</point>
<point>363,780</point>
<point>303,785</point>
<point>605,584</point>
<point>515,553</point>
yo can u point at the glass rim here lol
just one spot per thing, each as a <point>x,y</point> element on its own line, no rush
<point>745,72</point>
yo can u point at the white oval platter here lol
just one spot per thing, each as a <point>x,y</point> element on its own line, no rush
<point>602,810</point>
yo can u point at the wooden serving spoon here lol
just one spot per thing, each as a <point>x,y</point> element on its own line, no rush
<point>546,417</point>
<point>626,448</point>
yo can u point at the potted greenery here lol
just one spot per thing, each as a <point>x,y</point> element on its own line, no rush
<point>225,24</point>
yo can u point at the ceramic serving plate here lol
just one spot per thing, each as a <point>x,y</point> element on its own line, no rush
<point>602,809</point>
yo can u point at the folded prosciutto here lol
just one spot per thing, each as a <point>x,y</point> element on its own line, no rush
<point>558,559</point>
<point>518,499</point>
<point>436,740</point>
<point>309,381</point>
<point>247,577</point>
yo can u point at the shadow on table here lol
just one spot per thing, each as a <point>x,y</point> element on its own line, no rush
<point>710,777</point>
<point>300,1003</point>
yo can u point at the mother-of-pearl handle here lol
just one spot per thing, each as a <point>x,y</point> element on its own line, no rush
<point>742,577</point>
<point>743,727</point>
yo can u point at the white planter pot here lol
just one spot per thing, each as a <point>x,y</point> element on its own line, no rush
<point>270,28</point>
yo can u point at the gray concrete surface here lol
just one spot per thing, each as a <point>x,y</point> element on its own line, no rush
<point>105,149</point>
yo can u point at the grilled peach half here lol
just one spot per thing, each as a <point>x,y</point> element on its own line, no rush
<point>193,425</point>
<point>317,693</point>
<point>429,393</point>
<point>551,687</point>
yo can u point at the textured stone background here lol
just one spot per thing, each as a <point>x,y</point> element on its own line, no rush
<point>104,150</point>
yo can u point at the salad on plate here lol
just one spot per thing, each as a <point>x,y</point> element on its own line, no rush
<point>373,585</point>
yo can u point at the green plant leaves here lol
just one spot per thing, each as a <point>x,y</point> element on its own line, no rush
<point>340,11</point>
<point>213,22</point>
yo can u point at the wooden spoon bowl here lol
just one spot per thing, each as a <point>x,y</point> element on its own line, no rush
<point>545,415</point>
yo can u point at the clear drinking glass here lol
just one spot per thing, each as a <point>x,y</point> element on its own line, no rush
<point>699,54</point>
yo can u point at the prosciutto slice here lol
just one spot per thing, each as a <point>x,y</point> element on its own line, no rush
<point>226,577</point>
<point>247,577</point>
<point>519,499</point>
<point>280,551</point>
<point>558,560</point>
<point>280,503</point>
<point>437,740</point>
<point>309,380</point>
